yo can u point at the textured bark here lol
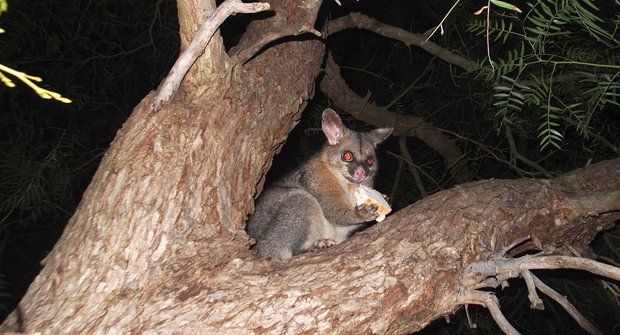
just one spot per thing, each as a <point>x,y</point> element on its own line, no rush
<point>168,201</point>
<point>158,245</point>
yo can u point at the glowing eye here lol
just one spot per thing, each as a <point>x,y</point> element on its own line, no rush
<point>347,156</point>
<point>370,161</point>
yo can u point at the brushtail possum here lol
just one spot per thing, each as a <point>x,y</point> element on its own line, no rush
<point>314,206</point>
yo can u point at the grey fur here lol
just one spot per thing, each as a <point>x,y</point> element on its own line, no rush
<point>314,204</point>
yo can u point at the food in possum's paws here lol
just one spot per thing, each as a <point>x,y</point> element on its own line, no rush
<point>369,196</point>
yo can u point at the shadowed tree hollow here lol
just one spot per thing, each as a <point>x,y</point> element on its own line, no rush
<point>158,242</point>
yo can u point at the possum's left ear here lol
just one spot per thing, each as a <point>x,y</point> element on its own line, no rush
<point>378,135</point>
<point>332,126</point>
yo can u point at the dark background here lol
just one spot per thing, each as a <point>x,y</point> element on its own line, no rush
<point>106,55</point>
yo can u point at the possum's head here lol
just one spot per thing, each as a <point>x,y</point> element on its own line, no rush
<point>351,153</point>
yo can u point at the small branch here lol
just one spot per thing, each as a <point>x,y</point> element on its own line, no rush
<point>361,21</point>
<point>196,48</point>
<point>566,262</point>
<point>399,171</point>
<point>289,30</point>
<point>488,300</point>
<point>560,299</point>
<point>402,142</point>
<point>477,274</point>
<point>516,154</point>
<point>596,136</point>
<point>535,301</point>
<point>515,243</point>
<point>288,21</point>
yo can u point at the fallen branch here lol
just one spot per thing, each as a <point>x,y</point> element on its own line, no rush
<point>196,48</point>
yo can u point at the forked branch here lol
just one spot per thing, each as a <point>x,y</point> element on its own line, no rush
<point>495,271</point>
<point>196,48</point>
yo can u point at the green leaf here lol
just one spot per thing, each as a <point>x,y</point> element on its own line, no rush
<point>506,5</point>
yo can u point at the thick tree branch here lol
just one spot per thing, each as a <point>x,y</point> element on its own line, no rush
<point>196,48</point>
<point>337,89</point>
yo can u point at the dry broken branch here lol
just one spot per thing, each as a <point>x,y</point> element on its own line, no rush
<point>187,58</point>
<point>337,89</point>
<point>488,300</point>
<point>535,301</point>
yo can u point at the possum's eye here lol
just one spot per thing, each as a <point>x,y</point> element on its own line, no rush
<point>347,156</point>
<point>370,161</point>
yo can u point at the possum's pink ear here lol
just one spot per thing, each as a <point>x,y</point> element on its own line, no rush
<point>332,126</point>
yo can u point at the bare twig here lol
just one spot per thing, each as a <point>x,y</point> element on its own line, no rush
<point>515,243</point>
<point>361,21</point>
<point>488,300</point>
<point>399,171</point>
<point>477,273</point>
<point>187,58</point>
<point>535,301</point>
<point>286,22</point>
<point>516,154</point>
<point>560,299</point>
<point>288,30</point>
<point>470,322</point>
<point>596,136</point>
<point>402,142</point>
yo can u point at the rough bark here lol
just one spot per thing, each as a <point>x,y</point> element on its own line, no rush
<point>157,244</point>
<point>172,192</point>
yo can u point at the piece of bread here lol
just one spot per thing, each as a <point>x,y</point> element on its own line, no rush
<point>367,195</point>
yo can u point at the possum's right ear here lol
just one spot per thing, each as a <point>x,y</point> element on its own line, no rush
<point>332,126</point>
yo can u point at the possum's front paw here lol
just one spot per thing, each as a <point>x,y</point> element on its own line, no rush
<point>323,243</point>
<point>367,212</point>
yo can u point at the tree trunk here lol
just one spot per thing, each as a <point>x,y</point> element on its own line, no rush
<point>158,245</point>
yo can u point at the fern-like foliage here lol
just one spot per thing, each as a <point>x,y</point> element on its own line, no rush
<point>559,59</point>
